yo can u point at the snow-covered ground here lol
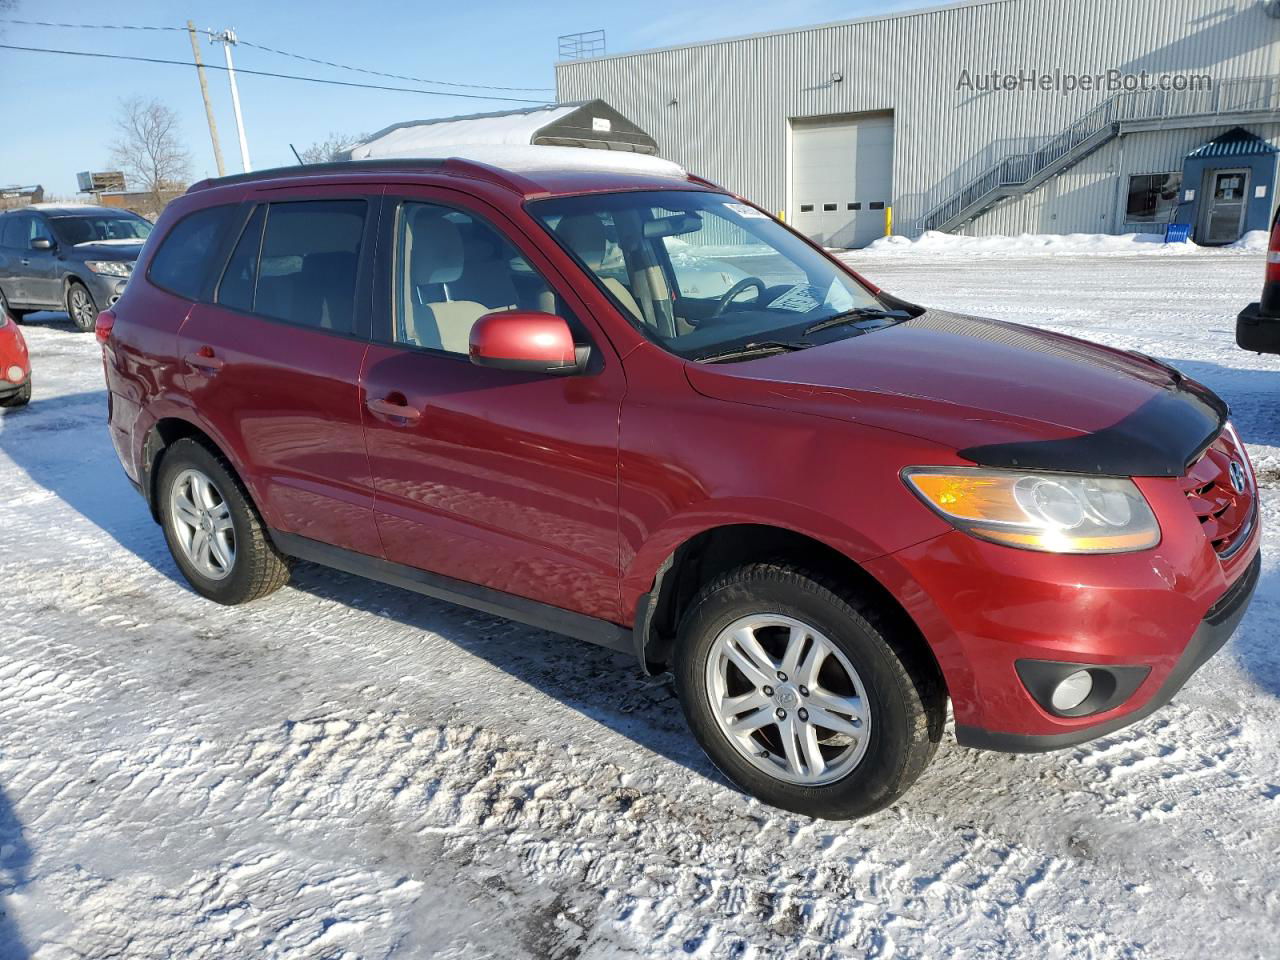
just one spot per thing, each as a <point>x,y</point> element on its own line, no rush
<point>349,770</point>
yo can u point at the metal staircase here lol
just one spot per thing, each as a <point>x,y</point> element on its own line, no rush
<point>1248,100</point>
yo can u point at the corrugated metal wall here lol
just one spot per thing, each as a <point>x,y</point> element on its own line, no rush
<point>723,108</point>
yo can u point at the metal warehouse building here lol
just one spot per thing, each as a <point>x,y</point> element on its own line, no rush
<point>1103,116</point>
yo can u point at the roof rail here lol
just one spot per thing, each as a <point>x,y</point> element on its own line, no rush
<point>320,169</point>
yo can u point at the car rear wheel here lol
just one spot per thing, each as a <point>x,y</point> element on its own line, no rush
<point>80,306</point>
<point>213,531</point>
<point>800,692</point>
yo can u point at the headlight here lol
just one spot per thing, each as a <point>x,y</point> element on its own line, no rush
<point>110,268</point>
<point>1053,512</point>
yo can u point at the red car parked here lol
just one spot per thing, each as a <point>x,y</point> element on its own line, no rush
<point>15,365</point>
<point>631,408</point>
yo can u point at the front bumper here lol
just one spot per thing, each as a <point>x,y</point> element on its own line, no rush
<point>1150,618</point>
<point>8,388</point>
<point>1214,631</point>
<point>106,290</point>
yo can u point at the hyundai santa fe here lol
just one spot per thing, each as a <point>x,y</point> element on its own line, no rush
<point>622,404</point>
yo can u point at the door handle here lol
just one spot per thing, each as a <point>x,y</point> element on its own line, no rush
<point>395,407</point>
<point>204,361</point>
<point>25,262</point>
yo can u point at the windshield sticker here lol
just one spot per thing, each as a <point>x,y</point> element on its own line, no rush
<point>838,297</point>
<point>749,213</point>
<point>799,299</point>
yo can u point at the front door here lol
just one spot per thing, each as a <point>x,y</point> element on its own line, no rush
<point>495,477</point>
<point>1222,213</point>
<point>274,362</point>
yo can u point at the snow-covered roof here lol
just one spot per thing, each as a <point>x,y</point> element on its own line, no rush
<point>525,158</point>
<point>583,123</point>
<point>502,128</point>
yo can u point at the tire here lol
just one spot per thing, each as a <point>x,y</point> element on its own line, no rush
<point>251,567</point>
<point>888,740</point>
<point>19,399</point>
<point>80,306</point>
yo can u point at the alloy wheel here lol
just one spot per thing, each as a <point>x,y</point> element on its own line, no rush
<point>787,699</point>
<point>201,520</point>
<point>82,309</point>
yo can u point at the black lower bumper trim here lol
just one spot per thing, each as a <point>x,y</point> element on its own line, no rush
<point>1214,631</point>
<point>1257,331</point>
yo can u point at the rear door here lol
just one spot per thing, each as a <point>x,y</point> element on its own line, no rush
<point>273,363</point>
<point>495,477</point>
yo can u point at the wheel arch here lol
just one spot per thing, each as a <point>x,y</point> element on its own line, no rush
<point>163,434</point>
<point>716,550</point>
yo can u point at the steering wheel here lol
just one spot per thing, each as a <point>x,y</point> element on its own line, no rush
<point>736,289</point>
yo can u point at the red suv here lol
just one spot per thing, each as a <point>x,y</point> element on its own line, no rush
<point>624,405</point>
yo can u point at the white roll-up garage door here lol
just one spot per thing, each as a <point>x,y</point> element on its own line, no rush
<point>841,177</point>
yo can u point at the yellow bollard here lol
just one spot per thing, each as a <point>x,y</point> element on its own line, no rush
<point>888,221</point>
<point>782,215</point>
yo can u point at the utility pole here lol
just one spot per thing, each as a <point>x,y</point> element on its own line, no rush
<point>228,38</point>
<point>208,107</point>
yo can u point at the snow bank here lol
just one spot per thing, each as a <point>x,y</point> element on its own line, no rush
<point>1255,241</point>
<point>935,244</point>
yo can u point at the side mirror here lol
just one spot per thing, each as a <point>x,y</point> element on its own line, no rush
<point>526,340</point>
<point>41,243</point>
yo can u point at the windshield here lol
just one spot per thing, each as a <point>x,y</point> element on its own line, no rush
<point>100,227</point>
<point>709,277</point>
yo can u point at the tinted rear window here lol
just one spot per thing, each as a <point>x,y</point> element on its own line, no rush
<point>182,262</point>
<point>303,269</point>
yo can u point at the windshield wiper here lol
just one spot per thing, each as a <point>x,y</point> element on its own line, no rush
<point>856,315</point>
<point>757,348</point>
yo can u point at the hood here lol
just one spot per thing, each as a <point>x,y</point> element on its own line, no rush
<point>110,250</point>
<point>1000,394</point>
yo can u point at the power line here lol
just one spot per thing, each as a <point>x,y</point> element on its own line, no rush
<point>85,26</point>
<point>284,53</point>
<point>268,73</point>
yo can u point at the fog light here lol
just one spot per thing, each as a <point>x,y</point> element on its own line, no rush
<point>1072,691</point>
<point>14,374</point>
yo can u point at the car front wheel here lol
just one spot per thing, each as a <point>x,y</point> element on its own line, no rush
<point>214,533</point>
<point>80,306</point>
<point>803,695</point>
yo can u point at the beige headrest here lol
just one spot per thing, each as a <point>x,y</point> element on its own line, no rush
<point>435,253</point>
<point>584,235</point>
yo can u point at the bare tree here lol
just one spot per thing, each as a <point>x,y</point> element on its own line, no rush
<point>148,149</point>
<point>332,147</point>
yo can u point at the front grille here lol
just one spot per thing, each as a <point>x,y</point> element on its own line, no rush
<point>1225,515</point>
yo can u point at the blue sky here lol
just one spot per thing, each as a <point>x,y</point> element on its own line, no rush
<point>59,110</point>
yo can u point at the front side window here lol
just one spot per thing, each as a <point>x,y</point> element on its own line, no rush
<point>298,261</point>
<point>101,228</point>
<point>1153,197</point>
<point>181,263</point>
<point>452,269</point>
<point>709,277</point>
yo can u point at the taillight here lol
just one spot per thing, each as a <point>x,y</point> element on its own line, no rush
<point>1270,302</point>
<point>1273,254</point>
<point>102,328</point>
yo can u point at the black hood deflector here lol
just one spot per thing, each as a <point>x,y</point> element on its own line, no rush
<point>1162,438</point>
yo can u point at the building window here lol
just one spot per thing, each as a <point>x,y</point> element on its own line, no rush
<point>1153,197</point>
